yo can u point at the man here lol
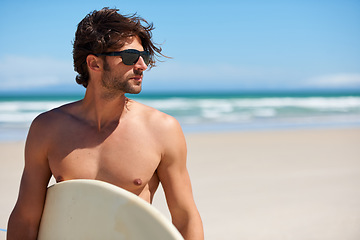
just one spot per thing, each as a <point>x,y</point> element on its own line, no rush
<point>107,136</point>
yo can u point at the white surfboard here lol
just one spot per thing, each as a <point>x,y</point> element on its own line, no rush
<point>91,209</point>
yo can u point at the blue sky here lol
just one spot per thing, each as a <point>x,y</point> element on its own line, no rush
<point>214,45</point>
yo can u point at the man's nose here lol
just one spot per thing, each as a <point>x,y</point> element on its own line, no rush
<point>140,64</point>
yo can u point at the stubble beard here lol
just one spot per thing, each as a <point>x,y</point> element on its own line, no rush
<point>116,85</point>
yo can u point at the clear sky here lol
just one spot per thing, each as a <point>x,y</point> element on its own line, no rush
<point>214,45</point>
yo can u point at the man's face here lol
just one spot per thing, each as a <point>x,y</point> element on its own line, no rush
<point>118,77</point>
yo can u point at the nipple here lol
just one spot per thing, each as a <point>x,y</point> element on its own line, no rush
<point>59,179</point>
<point>137,182</point>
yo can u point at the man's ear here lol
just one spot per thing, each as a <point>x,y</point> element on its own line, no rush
<point>93,62</point>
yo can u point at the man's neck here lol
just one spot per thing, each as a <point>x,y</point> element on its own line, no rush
<point>102,109</point>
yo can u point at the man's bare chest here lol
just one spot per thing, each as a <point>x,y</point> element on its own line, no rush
<point>128,161</point>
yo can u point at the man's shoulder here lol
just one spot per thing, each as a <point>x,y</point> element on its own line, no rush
<point>154,117</point>
<point>156,120</point>
<point>49,118</point>
<point>45,125</point>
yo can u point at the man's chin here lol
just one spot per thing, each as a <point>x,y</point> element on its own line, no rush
<point>135,90</point>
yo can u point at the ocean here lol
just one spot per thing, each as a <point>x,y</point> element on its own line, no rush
<point>207,112</point>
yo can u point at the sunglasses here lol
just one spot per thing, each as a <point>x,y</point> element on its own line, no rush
<point>129,56</point>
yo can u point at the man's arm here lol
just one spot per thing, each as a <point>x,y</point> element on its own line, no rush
<point>175,180</point>
<point>25,218</point>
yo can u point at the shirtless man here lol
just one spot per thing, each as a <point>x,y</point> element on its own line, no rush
<point>107,136</point>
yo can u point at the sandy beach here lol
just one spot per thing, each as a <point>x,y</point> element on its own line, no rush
<point>285,184</point>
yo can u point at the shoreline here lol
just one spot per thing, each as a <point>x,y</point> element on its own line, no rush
<point>20,134</point>
<point>267,184</point>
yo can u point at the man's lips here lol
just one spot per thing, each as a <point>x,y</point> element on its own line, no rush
<point>137,78</point>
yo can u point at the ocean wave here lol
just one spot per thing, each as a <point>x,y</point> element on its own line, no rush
<point>229,104</point>
<point>197,111</point>
<point>24,106</point>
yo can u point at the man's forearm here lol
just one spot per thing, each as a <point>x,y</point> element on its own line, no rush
<point>21,230</point>
<point>192,229</point>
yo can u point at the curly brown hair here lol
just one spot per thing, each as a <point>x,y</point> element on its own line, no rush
<point>106,29</point>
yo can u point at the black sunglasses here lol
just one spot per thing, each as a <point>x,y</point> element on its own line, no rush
<point>129,56</point>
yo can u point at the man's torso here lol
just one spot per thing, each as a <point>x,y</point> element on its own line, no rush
<point>125,153</point>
